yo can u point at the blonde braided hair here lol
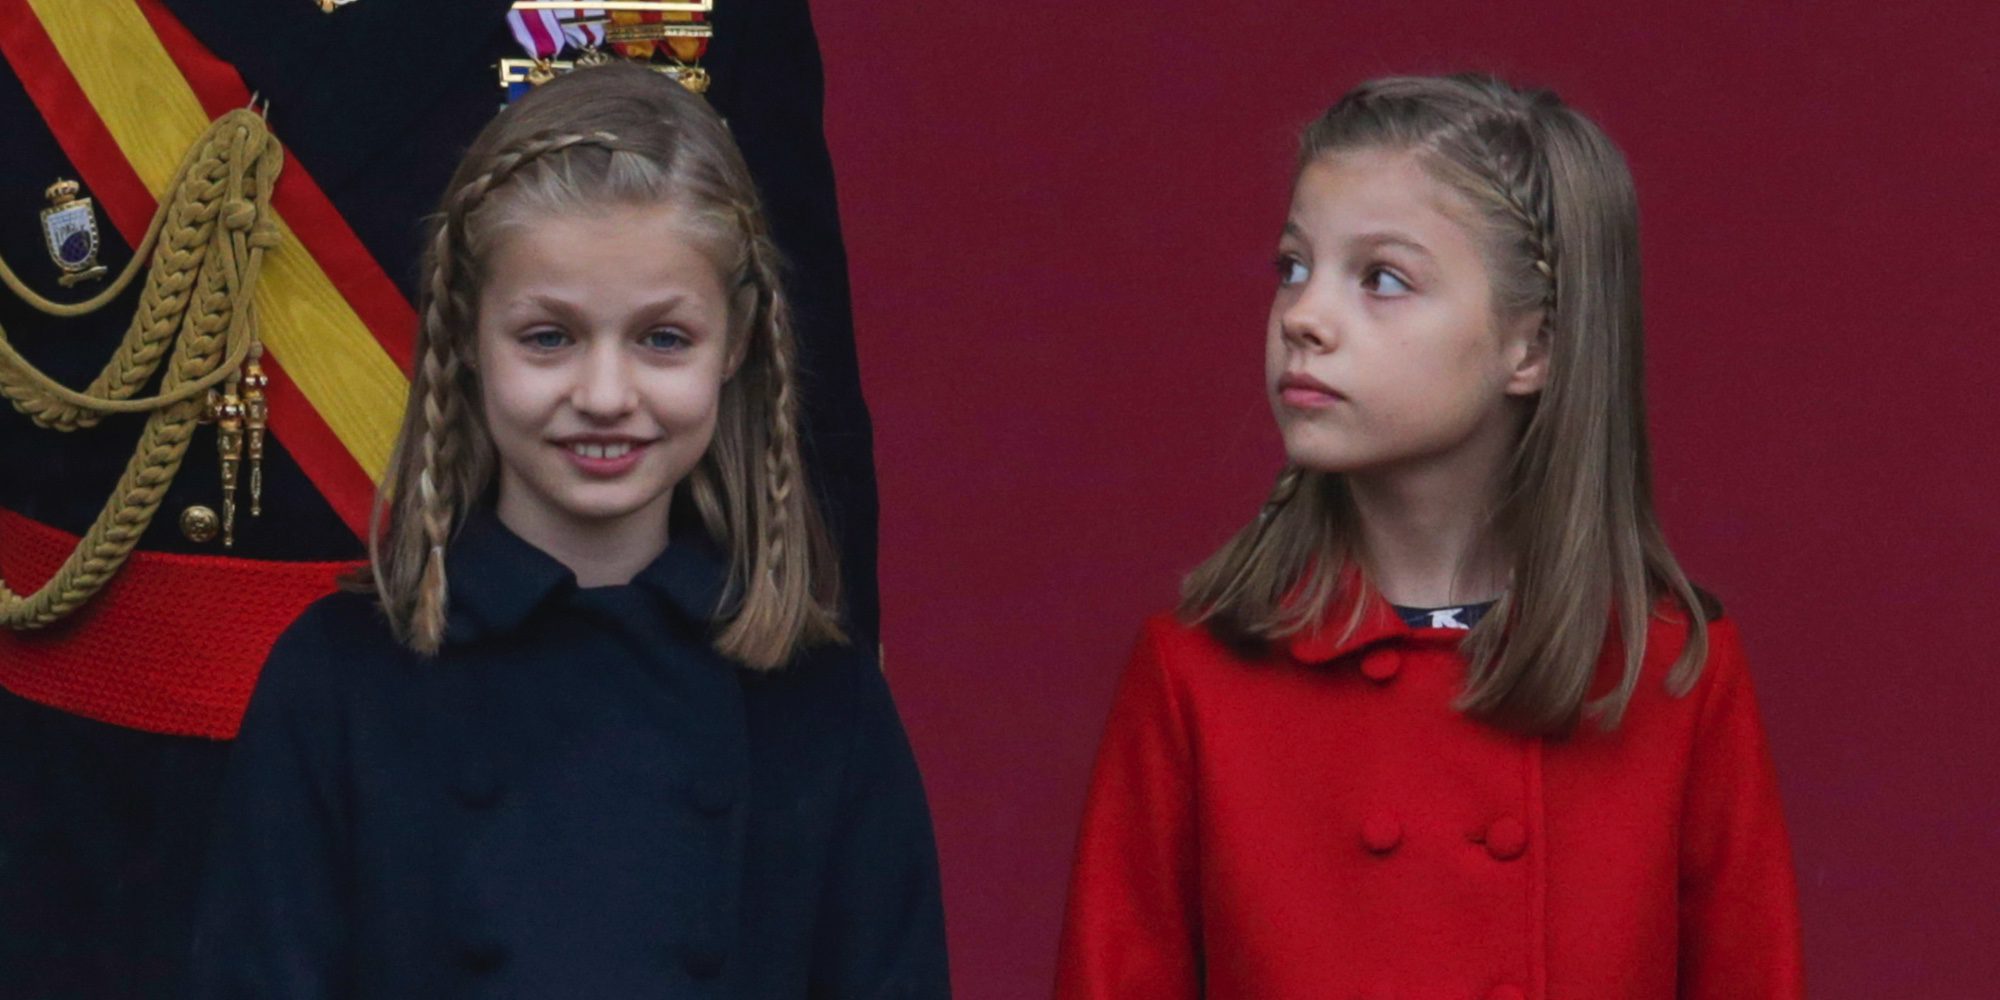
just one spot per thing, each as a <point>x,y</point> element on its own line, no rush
<point>606,136</point>
<point>206,245</point>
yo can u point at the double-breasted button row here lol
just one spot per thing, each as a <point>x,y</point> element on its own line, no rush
<point>1505,838</point>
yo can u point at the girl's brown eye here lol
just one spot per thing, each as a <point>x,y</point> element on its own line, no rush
<point>1383,281</point>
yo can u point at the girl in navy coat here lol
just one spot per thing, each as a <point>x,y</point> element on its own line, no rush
<point>595,730</point>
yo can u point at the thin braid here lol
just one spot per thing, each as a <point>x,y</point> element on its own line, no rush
<point>507,164</point>
<point>434,509</point>
<point>781,454</point>
<point>1520,177</point>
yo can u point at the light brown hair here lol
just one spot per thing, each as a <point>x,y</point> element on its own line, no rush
<point>588,142</point>
<point>1588,559</point>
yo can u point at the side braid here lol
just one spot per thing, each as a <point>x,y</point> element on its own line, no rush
<point>788,585</point>
<point>433,510</point>
<point>1520,182</point>
<point>781,454</point>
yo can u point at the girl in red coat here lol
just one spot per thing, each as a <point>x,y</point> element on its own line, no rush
<point>1446,720</point>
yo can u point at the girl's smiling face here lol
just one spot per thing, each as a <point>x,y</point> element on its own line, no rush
<point>603,346</point>
<point>1383,348</point>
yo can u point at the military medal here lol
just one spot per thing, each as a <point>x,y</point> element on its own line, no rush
<point>677,31</point>
<point>69,226</point>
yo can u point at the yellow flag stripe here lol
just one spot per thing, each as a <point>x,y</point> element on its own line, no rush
<point>153,114</point>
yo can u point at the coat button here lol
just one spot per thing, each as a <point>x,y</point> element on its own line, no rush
<point>1381,667</point>
<point>1506,992</point>
<point>1381,833</point>
<point>1506,839</point>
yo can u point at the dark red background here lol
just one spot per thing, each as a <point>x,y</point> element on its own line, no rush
<point>1060,216</point>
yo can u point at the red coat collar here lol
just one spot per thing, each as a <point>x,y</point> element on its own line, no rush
<point>1378,623</point>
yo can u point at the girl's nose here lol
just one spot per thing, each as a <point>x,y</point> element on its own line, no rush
<point>1308,327</point>
<point>604,387</point>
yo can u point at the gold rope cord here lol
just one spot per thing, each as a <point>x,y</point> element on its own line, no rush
<point>207,243</point>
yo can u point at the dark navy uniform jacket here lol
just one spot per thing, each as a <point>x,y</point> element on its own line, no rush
<point>577,798</point>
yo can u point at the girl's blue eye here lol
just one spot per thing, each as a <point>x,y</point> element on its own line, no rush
<point>665,338</point>
<point>1291,270</point>
<point>1383,281</point>
<point>546,339</point>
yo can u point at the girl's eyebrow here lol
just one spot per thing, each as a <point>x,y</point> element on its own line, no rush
<point>567,308</point>
<point>1391,238</point>
<point>1369,241</point>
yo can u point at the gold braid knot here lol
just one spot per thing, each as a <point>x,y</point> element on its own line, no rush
<point>206,244</point>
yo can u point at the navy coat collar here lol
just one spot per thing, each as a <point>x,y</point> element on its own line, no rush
<point>498,580</point>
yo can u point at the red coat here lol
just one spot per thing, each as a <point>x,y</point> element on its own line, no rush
<point>1321,823</point>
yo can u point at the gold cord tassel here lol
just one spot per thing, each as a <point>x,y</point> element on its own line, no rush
<point>205,248</point>
<point>229,450</point>
<point>256,417</point>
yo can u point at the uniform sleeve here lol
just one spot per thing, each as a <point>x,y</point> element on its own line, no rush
<point>273,915</point>
<point>1132,927</point>
<point>880,929</point>
<point>1739,922</point>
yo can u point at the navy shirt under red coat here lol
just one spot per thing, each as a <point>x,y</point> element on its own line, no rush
<point>1320,822</point>
<point>578,797</point>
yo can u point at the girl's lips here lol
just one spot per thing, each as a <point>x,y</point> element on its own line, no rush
<point>1308,399</point>
<point>604,459</point>
<point>1302,391</point>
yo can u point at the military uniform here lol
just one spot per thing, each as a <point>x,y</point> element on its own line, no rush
<point>111,719</point>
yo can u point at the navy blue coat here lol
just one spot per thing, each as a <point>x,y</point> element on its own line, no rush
<point>578,797</point>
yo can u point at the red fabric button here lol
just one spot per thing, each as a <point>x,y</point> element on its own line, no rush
<point>1381,666</point>
<point>1506,839</point>
<point>1507,993</point>
<point>1381,833</point>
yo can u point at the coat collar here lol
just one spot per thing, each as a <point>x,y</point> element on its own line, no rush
<point>498,580</point>
<point>1378,623</point>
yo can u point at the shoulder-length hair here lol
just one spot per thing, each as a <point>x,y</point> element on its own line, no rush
<point>595,139</point>
<point>1589,561</point>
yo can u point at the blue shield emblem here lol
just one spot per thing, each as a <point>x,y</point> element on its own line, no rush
<point>69,226</point>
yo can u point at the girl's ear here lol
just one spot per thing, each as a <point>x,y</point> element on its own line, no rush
<point>1528,353</point>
